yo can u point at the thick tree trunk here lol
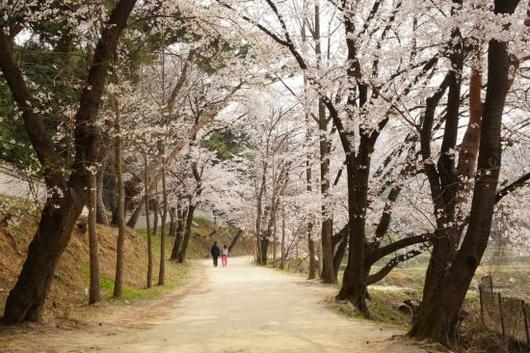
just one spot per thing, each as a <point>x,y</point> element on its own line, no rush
<point>187,234</point>
<point>93,249</point>
<point>120,211</point>
<point>439,313</point>
<point>162,271</point>
<point>354,279</point>
<point>26,299</point>
<point>328,274</point>
<point>264,251</point>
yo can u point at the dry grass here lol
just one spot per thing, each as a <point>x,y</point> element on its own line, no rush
<point>17,227</point>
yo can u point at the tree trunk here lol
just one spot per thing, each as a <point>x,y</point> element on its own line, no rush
<point>120,211</point>
<point>182,216</point>
<point>327,274</point>
<point>162,272</point>
<point>282,249</point>
<point>26,299</point>
<point>234,241</point>
<point>467,156</point>
<point>94,289</point>
<point>312,268</point>
<point>264,249</point>
<point>111,193</point>
<point>339,255</point>
<point>135,215</point>
<point>296,255</point>
<point>172,222</point>
<point>156,209</point>
<point>354,279</point>
<point>58,217</point>
<point>187,234</point>
<point>148,225</point>
<point>439,312</point>
<point>274,241</point>
<point>101,210</point>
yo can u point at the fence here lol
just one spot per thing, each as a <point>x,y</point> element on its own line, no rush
<point>505,315</point>
<point>14,183</point>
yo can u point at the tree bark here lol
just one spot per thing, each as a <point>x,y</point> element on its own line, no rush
<point>312,268</point>
<point>327,275</point>
<point>101,210</point>
<point>340,250</point>
<point>120,212</point>
<point>94,289</point>
<point>264,251</point>
<point>182,216</point>
<point>26,299</point>
<point>156,212</point>
<point>274,241</point>
<point>467,156</point>
<point>282,249</point>
<point>353,284</point>
<point>148,225</point>
<point>58,217</point>
<point>234,240</point>
<point>162,271</point>
<point>172,222</point>
<point>357,171</point>
<point>439,312</point>
<point>187,234</point>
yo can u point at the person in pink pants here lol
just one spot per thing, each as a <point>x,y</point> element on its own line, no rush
<point>224,256</point>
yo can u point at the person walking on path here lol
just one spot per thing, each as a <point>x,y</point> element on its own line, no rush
<point>215,253</point>
<point>224,256</point>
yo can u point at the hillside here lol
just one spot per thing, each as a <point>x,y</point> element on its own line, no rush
<point>17,226</point>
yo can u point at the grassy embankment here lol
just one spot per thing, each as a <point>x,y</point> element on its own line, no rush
<point>510,272</point>
<point>17,226</point>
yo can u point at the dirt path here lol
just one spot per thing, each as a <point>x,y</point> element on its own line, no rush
<point>241,308</point>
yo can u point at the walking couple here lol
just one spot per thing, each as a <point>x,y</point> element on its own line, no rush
<point>216,251</point>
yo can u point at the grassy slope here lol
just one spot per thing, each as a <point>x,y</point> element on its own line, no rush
<point>17,226</point>
<point>511,274</point>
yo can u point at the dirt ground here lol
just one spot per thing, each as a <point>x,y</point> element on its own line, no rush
<point>242,308</point>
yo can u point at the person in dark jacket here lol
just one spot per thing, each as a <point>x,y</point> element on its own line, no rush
<point>215,253</point>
